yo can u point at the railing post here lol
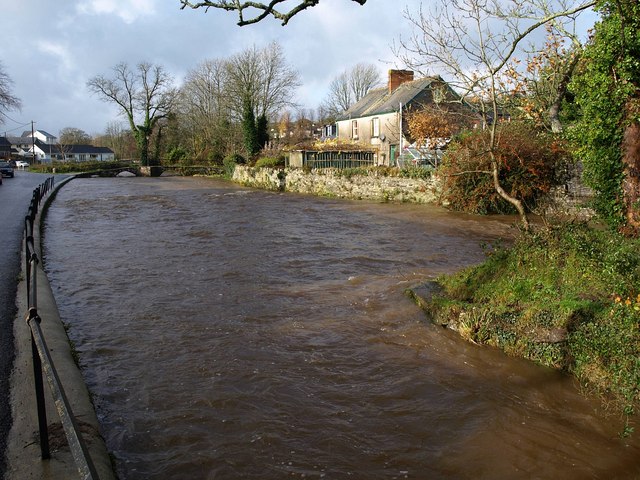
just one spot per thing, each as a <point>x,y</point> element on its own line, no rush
<point>39,387</point>
<point>43,363</point>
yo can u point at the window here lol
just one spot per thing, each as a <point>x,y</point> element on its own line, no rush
<point>354,129</point>
<point>375,127</point>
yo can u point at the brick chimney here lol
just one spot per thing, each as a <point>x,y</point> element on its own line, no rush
<point>398,77</point>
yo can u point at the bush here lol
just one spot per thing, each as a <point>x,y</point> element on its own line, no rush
<point>177,154</point>
<point>77,167</point>
<point>270,162</point>
<point>531,163</point>
<point>230,161</point>
<point>215,158</point>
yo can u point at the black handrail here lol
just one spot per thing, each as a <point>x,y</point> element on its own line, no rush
<point>42,361</point>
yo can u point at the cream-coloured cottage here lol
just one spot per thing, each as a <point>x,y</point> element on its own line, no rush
<point>378,119</point>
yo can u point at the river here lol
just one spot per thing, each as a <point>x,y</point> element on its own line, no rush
<point>231,333</point>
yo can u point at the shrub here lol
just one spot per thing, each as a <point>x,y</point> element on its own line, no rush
<point>230,161</point>
<point>77,167</point>
<point>270,162</point>
<point>531,163</point>
<point>176,154</point>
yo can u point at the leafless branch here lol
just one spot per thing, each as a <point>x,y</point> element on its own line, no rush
<point>261,10</point>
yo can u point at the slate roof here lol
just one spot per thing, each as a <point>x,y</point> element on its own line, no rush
<point>20,140</point>
<point>379,101</point>
<point>72,149</point>
<point>5,145</point>
<point>27,133</point>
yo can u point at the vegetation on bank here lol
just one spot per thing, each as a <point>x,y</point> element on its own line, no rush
<point>566,297</point>
<point>77,167</point>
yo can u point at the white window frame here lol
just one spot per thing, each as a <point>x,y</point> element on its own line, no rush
<point>354,129</point>
<point>375,127</point>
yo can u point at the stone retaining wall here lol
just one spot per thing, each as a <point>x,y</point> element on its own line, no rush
<point>566,201</point>
<point>329,182</point>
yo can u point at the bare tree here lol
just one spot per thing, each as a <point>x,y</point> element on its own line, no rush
<point>339,97</point>
<point>256,11</point>
<point>205,109</point>
<point>7,100</point>
<point>119,139</point>
<point>350,86</point>
<point>363,77</point>
<point>472,42</point>
<point>262,77</point>
<point>74,136</point>
<point>145,96</point>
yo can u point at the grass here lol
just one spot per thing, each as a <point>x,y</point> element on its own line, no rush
<point>567,297</point>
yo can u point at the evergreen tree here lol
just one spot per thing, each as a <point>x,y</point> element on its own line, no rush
<point>249,128</point>
<point>262,127</point>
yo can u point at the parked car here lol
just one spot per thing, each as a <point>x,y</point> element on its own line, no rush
<point>6,169</point>
<point>22,164</point>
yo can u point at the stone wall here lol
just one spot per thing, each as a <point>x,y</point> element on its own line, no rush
<point>329,182</point>
<point>565,202</point>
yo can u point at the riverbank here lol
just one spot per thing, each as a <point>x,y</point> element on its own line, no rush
<point>23,453</point>
<point>390,184</point>
<point>565,297</point>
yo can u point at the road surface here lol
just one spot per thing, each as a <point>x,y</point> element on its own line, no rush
<point>15,195</point>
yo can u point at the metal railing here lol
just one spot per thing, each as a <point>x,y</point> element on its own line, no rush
<point>338,159</point>
<point>42,361</point>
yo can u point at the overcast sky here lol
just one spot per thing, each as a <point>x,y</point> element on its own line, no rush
<point>51,48</point>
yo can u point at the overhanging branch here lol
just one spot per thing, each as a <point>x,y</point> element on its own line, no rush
<point>263,9</point>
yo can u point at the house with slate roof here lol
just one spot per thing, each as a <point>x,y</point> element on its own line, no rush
<point>47,149</point>
<point>47,152</point>
<point>40,135</point>
<point>376,120</point>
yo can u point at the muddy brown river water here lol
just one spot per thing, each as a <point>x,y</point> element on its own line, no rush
<point>229,333</point>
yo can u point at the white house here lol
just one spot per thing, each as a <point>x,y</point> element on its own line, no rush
<point>47,152</point>
<point>45,148</point>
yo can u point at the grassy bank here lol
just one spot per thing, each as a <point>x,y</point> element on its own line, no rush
<point>566,297</point>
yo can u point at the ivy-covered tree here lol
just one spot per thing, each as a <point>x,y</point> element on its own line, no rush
<point>145,96</point>
<point>607,89</point>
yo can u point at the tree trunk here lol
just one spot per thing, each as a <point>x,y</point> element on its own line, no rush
<point>631,181</point>
<point>561,93</point>
<point>143,147</point>
<point>513,201</point>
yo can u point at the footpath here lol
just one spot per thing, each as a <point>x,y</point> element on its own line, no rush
<point>23,446</point>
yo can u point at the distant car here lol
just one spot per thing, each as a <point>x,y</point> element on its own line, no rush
<point>6,169</point>
<point>22,164</point>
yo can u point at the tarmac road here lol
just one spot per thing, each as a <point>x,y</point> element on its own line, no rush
<point>15,195</point>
